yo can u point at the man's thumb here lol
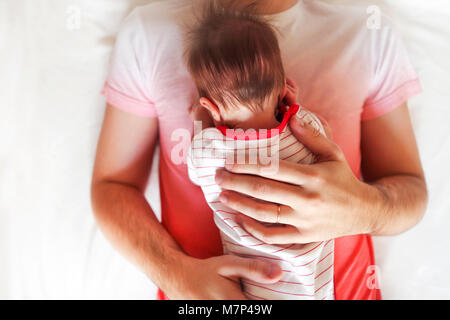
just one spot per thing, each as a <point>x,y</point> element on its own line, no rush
<point>311,137</point>
<point>250,269</point>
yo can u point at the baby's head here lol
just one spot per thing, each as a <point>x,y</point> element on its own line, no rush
<point>235,61</point>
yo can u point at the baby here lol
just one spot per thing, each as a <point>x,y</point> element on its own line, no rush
<point>235,61</point>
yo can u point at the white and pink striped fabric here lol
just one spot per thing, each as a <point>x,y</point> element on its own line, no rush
<point>307,268</point>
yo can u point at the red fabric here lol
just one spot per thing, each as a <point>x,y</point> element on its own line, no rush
<point>255,135</point>
<point>353,257</point>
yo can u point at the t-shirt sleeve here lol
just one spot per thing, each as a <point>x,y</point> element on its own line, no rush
<point>394,80</point>
<point>126,86</point>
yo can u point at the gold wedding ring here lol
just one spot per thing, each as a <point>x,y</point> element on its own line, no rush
<point>278,213</point>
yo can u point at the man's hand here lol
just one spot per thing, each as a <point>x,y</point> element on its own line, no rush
<point>217,278</point>
<point>325,200</point>
<point>318,202</point>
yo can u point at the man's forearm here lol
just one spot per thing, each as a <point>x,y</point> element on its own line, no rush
<point>128,221</point>
<point>401,203</point>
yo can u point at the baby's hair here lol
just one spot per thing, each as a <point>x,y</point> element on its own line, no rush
<point>234,56</point>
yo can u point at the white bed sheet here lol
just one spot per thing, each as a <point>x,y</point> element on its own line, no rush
<point>50,114</point>
<point>415,265</point>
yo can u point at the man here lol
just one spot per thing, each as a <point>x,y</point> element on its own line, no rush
<point>357,79</point>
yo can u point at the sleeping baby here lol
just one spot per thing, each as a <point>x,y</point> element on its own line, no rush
<point>235,62</point>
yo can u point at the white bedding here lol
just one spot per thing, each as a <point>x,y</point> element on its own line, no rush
<point>52,70</point>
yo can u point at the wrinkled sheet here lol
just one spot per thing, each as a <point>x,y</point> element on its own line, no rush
<point>53,65</point>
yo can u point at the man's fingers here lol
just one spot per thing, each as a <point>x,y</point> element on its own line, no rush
<point>320,145</point>
<point>261,211</point>
<point>251,269</point>
<point>276,234</point>
<point>289,172</point>
<point>257,187</point>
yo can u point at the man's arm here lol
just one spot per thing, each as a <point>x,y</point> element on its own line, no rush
<point>123,162</point>
<point>122,166</point>
<point>391,163</point>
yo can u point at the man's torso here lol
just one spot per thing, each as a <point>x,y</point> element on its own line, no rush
<point>334,79</point>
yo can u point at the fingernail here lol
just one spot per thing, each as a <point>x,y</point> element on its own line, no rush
<point>272,270</point>
<point>299,121</point>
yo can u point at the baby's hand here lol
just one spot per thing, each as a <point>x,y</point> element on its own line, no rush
<point>291,93</point>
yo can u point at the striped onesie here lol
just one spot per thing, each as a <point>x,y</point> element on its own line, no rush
<point>307,268</point>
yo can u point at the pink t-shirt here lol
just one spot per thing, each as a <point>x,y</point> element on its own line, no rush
<point>347,73</point>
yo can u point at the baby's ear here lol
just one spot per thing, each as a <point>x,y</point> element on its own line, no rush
<point>290,92</point>
<point>285,90</point>
<point>213,110</point>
